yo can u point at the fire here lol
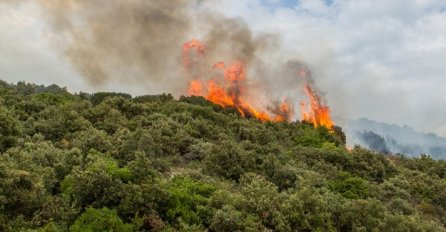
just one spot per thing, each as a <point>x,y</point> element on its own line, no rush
<point>285,111</point>
<point>316,112</point>
<point>193,44</point>
<point>195,88</point>
<point>226,85</point>
<point>230,94</point>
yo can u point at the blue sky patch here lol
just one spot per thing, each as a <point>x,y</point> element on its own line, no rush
<point>286,3</point>
<point>276,4</point>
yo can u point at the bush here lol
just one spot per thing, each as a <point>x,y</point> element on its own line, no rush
<point>188,199</point>
<point>349,186</point>
<point>100,220</point>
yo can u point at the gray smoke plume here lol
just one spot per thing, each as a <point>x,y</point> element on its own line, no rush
<point>107,39</point>
<point>141,40</point>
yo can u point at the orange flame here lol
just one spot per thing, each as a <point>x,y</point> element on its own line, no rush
<point>198,46</point>
<point>285,112</point>
<point>229,91</point>
<point>317,112</point>
<point>195,88</point>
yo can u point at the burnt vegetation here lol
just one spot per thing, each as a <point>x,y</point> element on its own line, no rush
<point>113,162</point>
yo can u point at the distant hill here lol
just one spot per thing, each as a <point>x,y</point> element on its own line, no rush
<point>392,138</point>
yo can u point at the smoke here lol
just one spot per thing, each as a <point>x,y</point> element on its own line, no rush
<point>232,39</point>
<point>300,74</point>
<point>140,41</point>
<point>125,40</point>
<point>373,141</point>
<point>391,138</point>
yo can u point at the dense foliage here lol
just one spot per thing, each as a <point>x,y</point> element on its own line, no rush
<point>110,162</point>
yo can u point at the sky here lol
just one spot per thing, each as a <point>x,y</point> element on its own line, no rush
<point>380,59</point>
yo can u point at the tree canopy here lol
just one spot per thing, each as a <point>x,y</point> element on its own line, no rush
<point>113,162</point>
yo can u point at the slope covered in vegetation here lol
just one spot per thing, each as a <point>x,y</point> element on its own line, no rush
<point>110,162</point>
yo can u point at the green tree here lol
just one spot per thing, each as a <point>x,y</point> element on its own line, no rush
<point>104,219</point>
<point>10,130</point>
<point>350,186</point>
<point>188,199</point>
<point>229,160</point>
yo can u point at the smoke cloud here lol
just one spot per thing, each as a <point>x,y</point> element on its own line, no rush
<point>140,40</point>
<point>125,40</point>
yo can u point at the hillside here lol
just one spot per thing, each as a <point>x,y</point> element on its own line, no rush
<point>113,162</point>
<point>389,138</point>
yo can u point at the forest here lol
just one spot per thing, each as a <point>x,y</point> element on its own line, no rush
<point>114,162</point>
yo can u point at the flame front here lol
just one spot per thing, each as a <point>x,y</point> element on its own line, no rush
<point>230,92</point>
<point>228,87</point>
<point>316,112</point>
